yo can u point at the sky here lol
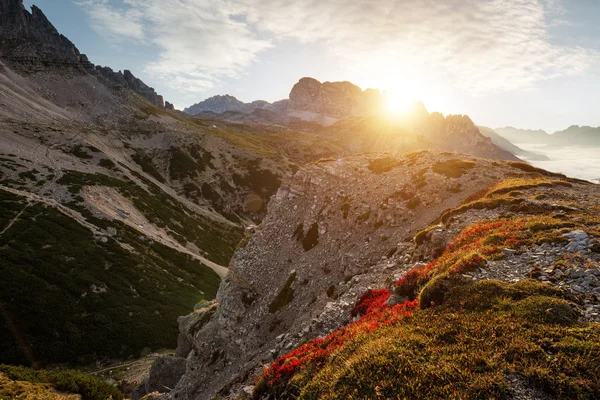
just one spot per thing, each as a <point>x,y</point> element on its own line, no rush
<point>526,63</point>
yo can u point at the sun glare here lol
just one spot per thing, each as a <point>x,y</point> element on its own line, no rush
<point>398,103</point>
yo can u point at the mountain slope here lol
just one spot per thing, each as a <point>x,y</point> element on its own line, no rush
<point>352,228</point>
<point>220,104</point>
<point>508,146</point>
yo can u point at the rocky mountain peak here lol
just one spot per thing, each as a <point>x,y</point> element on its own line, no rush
<point>335,99</point>
<point>223,103</point>
<point>30,43</point>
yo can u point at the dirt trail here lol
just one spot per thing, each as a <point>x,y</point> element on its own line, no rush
<point>115,206</point>
<point>11,223</point>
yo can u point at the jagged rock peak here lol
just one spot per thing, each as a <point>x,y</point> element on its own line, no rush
<point>336,99</point>
<point>127,79</point>
<point>223,103</point>
<point>30,43</point>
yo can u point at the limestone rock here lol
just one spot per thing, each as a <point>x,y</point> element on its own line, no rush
<point>165,372</point>
<point>336,99</point>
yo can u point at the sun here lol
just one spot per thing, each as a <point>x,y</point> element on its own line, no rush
<point>398,103</point>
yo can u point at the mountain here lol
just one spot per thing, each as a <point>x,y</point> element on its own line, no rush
<point>333,99</point>
<point>575,135</point>
<point>515,135</point>
<point>508,146</point>
<point>118,215</point>
<point>374,263</point>
<point>220,104</point>
<point>29,42</point>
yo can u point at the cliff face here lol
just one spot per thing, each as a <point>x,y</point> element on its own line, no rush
<point>127,80</point>
<point>30,43</point>
<point>335,99</point>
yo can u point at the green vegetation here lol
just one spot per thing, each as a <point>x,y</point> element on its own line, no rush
<point>67,381</point>
<point>148,167</point>
<point>81,152</point>
<point>93,298</point>
<point>453,168</point>
<point>310,239</point>
<point>106,163</point>
<point>218,240</point>
<point>421,236</point>
<point>502,194</point>
<point>182,165</point>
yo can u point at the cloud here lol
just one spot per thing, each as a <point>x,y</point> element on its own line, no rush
<point>576,162</point>
<point>113,23</point>
<point>477,45</point>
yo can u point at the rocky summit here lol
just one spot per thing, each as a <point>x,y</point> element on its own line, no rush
<point>334,99</point>
<point>29,42</point>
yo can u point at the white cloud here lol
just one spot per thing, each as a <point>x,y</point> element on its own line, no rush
<point>113,23</point>
<point>477,45</point>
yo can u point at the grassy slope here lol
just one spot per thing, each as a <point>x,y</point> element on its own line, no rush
<point>49,264</point>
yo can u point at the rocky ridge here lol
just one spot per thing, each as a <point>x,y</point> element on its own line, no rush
<point>334,99</point>
<point>30,44</point>
<point>219,104</point>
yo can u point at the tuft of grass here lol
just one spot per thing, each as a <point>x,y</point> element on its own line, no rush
<point>453,168</point>
<point>531,169</point>
<point>502,194</point>
<point>382,165</point>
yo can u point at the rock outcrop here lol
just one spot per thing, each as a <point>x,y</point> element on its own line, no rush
<point>128,80</point>
<point>30,43</point>
<point>335,99</point>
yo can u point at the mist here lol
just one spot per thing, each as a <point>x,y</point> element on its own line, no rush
<point>575,162</point>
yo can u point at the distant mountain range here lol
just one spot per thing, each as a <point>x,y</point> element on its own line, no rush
<point>505,144</point>
<point>309,100</point>
<point>573,136</point>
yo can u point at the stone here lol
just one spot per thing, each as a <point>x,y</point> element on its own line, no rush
<point>509,252</point>
<point>165,373</point>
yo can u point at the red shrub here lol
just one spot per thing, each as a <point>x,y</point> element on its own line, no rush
<point>467,252</point>
<point>315,353</point>
<point>370,301</point>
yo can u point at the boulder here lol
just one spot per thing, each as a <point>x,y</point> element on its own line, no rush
<point>165,372</point>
